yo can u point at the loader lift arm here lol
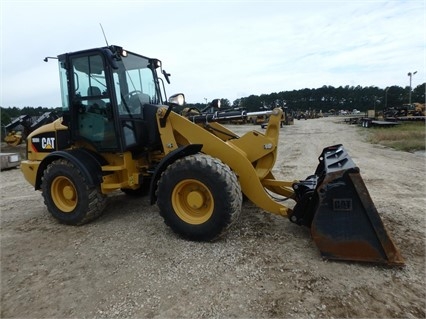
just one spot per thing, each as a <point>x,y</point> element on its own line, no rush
<point>251,156</point>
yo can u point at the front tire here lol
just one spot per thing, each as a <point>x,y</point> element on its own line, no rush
<point>68,196</point>
<point>199,197</point>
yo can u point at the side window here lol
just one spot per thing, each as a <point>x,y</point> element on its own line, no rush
<point>64,86</point>
<point>89,76</point>
<point>137,88</point>
<point>141,80</point>
<point>92,103</point>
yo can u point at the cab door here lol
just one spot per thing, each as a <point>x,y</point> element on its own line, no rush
<point>90,98</point>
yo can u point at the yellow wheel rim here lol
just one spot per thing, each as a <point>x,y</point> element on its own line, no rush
<point>64,194</point>
<point>192,202</point>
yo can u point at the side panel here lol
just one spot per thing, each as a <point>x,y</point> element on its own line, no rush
<point>43,141</point>
<point>48,142</point>
<point>46,139</point>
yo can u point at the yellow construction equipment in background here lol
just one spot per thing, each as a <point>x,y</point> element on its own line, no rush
<point>13,138</point>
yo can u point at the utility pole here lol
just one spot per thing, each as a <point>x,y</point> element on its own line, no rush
<point>386,97</point>
<point>409,95</point>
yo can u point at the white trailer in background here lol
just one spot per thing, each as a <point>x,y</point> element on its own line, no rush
<point>9,160</point>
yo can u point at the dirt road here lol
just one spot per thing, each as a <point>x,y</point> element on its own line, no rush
<point>128,263</point>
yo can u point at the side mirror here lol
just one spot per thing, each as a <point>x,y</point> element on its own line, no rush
<point>177,99</point>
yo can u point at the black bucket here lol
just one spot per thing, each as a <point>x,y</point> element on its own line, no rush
<point>345,224</point>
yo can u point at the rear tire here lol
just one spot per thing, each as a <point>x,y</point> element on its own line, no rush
<point>68,196</point>
<point>199,197</point>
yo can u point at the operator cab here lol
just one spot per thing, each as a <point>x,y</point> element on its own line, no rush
<point>110,98</point>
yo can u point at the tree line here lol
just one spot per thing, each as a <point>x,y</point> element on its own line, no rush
<point>329,98</point>
<point>321,99</point>
<point>340,98</point>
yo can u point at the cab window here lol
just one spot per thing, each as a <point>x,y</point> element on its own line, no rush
<point>91,102</point>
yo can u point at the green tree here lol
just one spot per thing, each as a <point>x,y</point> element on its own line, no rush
<point>340,98</point>
<point>418,94</point>
<point>252,103</point>
<point>225,103</point>
<point>5,118</point>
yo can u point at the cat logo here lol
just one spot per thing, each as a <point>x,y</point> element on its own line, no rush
<point>48,143</point>
<point>342,204</point>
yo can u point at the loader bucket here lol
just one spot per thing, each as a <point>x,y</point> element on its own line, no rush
<point>346,224</point>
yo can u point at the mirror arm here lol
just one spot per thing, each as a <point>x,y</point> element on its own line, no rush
<point>164,88</point>
<point>164,118</point>
<point>166,75</point>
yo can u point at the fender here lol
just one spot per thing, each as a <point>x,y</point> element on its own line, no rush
<point>89,163</point>
<point>168,160</point>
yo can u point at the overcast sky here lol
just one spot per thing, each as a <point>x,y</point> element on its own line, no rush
<point>218,49</point>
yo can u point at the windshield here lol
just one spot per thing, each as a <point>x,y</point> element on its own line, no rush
<point>135,84</point>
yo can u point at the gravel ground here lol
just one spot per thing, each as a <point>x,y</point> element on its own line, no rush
<point>128,263</point>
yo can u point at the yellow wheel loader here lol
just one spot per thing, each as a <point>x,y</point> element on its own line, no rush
<point>13,138</point>
<point>120,132</point>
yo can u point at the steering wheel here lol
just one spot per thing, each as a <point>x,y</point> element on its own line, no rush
<point>131,94</point>
<point>128,97</point>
